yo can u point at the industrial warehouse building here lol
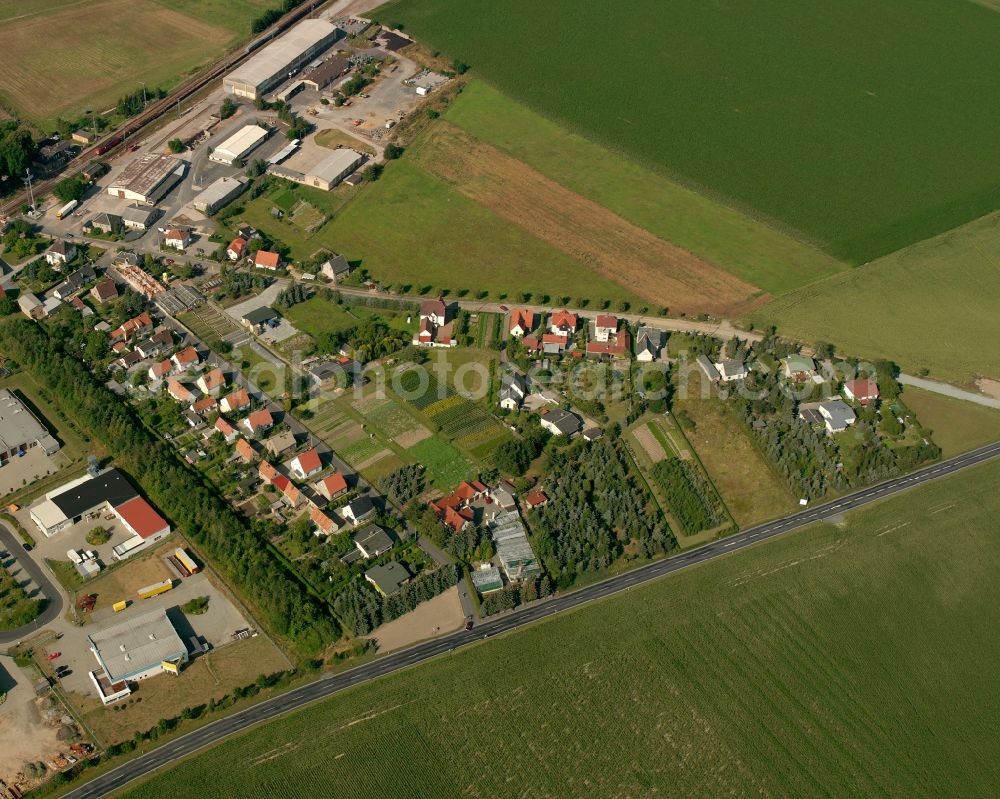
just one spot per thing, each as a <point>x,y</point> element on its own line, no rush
<point>133,650</point>
<point>245,140</point>
<point>218,195</point>
<point>281,59</point>
<point>148,178</point>
<point>333,169</point>
<point>20,430</point>
<point>93,495</point>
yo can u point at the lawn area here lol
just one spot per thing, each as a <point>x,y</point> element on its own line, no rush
<point>445,465</point>
<point>294,230</point>
<point>770,104</point>
<point>739,243</point>
<point>749,487</point>
<point>413,229</point>
<point>828,662</point>
<point>317,315</point>
<point>957,425</point>
<point>97,51</point>
<point>16,607</point>
<point>268,377</point>
<point>933,302</point>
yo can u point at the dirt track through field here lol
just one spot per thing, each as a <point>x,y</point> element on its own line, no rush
<point>666,275</point>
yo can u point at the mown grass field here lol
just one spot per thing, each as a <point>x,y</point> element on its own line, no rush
<point>932,305</point>
<point>865,125</point>
<point>413,229</point>
<point>753,251</point>
<point>748,485</point>
<point>956,425</point>
<point>60,59</point>
<point>826,663</point>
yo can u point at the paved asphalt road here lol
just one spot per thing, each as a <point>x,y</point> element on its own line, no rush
<point>13,545</point>
<point>327,686</point>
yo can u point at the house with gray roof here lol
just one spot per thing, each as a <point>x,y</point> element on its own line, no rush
<point>388,578</point>
<point>649,343</point>
<point>837,415</point>
<point>513,390</point>
<point>372,541</point>
<point>561,422</point>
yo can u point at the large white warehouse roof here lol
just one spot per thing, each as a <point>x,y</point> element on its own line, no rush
<point>277,55</point>
<point>239,144</point>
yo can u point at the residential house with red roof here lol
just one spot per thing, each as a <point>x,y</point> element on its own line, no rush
<point>236,402</point>
<point>229,433</point>
<point>563,322</point>
<point>326,524</point>
<point>237,248</point>
<point>186,358</point>
<point>246,451</point>
<point>522,322</point>
<point>292,494</point>
<point>618,346</point>
<point>137,326</point>
<point>434,329</point>
<point>264,259</point>
<point>332,486</point>
<point>267,472</point>
<point>180,392</point>
<point>104,291</point>
<point>205,406</point>
<point>863,390</point>
<point>306,464</point>
<point>177,238</point>
<point>258,422</point>
<point>535,499</point>
<point>605,327</point>
<point>160,370</point>
<point>211,383</point>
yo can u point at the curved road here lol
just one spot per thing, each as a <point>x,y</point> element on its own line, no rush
<point>329,685</point>
<point>10,542</point>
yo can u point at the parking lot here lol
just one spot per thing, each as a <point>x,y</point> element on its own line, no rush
<point>215,627</point>
<point>28,468</point>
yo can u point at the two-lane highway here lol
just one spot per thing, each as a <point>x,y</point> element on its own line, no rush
<point>329,685</point>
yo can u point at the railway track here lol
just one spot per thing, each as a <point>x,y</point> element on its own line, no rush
<point>153,111</point>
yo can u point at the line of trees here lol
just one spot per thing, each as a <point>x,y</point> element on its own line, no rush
<point>192,503</point>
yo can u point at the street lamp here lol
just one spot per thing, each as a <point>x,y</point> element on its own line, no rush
<point>31,195</point>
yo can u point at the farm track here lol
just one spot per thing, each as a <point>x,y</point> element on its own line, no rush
<point>661,272</point>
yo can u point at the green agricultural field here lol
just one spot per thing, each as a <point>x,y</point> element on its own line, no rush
<point>865,125</point>
<point>404,230</point>
<point>748,248</point>
<point>94,52</point>
<point>445,465</point>
<point>929,306</point>
<point>829,662</point>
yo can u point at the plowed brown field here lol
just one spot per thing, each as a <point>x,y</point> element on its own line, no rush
<point>666,275</point>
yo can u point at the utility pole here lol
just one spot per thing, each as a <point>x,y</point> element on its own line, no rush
<point>27,179</point>
<point>143,95</point>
